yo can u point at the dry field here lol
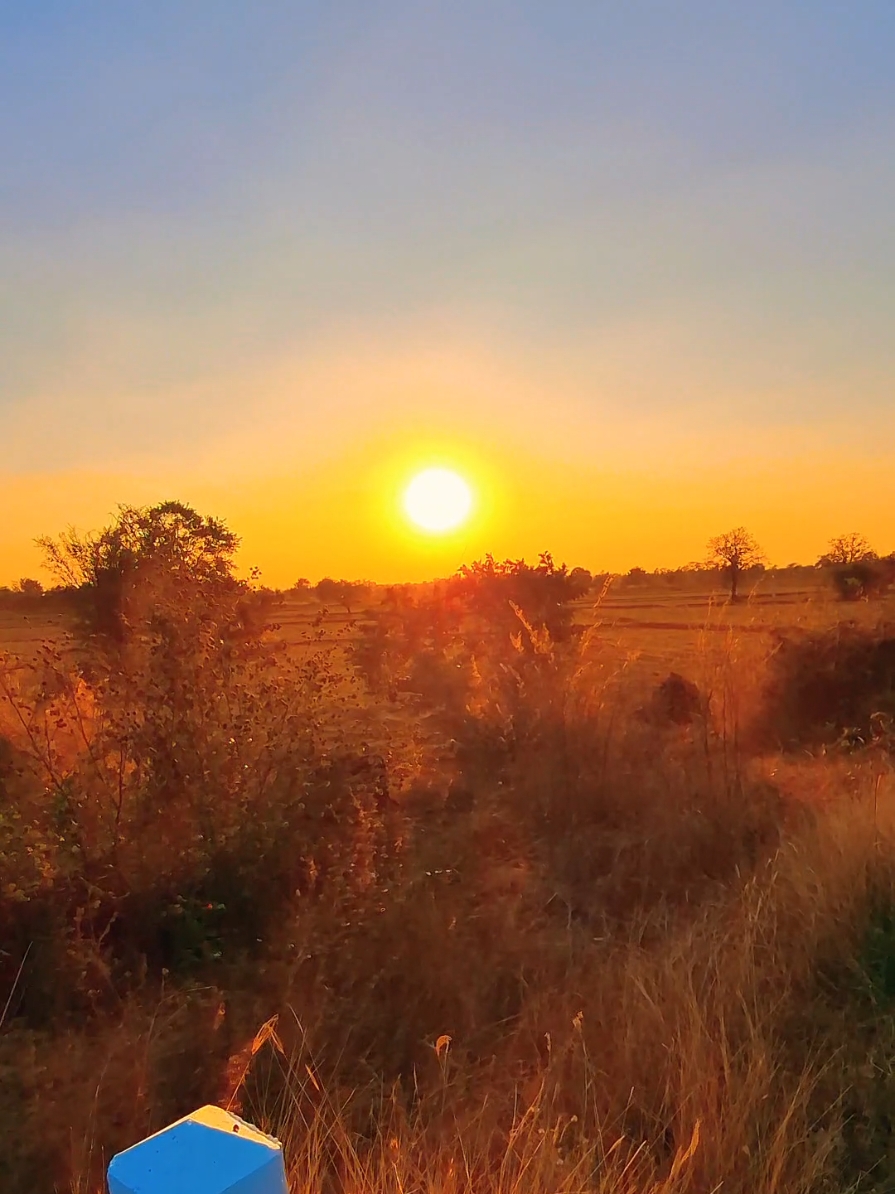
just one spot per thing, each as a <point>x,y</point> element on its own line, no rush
<point>588,953</point>
<point>654,626</point>
<point>661,627</point>
<point>21,633</point>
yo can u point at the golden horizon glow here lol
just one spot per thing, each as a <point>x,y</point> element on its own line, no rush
<point>355,526</point>
<point>438,500</point>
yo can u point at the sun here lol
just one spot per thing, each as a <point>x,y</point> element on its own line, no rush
<point>438,500</point>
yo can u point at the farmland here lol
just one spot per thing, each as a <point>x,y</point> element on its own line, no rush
<point>660,626</point>
<point>660,620</point>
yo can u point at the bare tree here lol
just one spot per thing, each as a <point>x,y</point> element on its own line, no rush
<point>851,548</point>
<point>734,552</point>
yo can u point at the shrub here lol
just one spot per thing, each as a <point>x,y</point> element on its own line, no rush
<point>863,579</point>
<point>470,652</point>
<point>675,700</point>
<point>179,784</point>
<point>823,685</point>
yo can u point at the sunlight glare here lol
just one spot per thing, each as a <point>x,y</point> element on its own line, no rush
<point>438,500</point>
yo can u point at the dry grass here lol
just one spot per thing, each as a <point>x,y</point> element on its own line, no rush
<point>702,1059</point>
<point>637,963</point>
<point>707,1056</point>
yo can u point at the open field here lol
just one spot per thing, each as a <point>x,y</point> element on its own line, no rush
<point>536,834</point>
<point>661,624</point>
<point>660,628</point>
<point>22,633</point>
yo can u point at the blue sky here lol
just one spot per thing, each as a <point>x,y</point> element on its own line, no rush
<point>244,239</point>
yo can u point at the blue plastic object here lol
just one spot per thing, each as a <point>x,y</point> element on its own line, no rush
<point>208,1152</point>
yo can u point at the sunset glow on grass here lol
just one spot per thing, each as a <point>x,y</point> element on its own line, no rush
<point>438,500</point>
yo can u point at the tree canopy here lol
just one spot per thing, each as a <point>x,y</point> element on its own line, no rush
<point>150,559</point>
<point>735,551</point>
<point>851,548</point>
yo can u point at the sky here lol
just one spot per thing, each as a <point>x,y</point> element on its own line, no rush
<point>630,268</point>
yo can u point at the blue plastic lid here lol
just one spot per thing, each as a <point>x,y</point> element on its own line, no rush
<point>208,1152</point>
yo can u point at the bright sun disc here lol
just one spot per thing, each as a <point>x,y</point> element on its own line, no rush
<point>438,500</point>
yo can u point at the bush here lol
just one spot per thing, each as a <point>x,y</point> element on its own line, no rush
<point>863,579</point>
<point>178,784</point>
<point>830,685</point>
<point>676,701</point>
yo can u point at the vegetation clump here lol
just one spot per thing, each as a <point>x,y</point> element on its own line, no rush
<point>177,776</point>
<point>863,579</point>
<point>856,571</point>
<point>832,686</point>
<point>676,701</point>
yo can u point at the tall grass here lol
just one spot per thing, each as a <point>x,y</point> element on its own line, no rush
<point>723,1053</point>
<point>572,947</point>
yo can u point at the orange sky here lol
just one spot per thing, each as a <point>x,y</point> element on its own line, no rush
<point>341,515</point>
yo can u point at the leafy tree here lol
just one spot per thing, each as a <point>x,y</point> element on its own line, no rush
<point>851,548</point>
<point>735,551</point>
<point>30,588</point>
<point>206,780</point>
<point>326,590</point>
<point>581,580</point>
<point>341,592</point>
<point>151,565</point>
<point>352,592</point>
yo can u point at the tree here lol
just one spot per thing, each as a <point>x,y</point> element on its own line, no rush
<point>850,548</point>
<point>30,588</point>
<point>581,580</point>
<point>735,551</point>
<point>327,590</point>
<point>352,591</point>
<point>152,562</point>
<point>341,592</point>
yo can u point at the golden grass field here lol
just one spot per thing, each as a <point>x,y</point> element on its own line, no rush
<point>631,960</point>
<point>660,624</point>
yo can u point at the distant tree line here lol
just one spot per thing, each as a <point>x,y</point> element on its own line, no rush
<point>345,593</point>
<point>104,563</point>
<point>29,595</point>
<point>855,570</point>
